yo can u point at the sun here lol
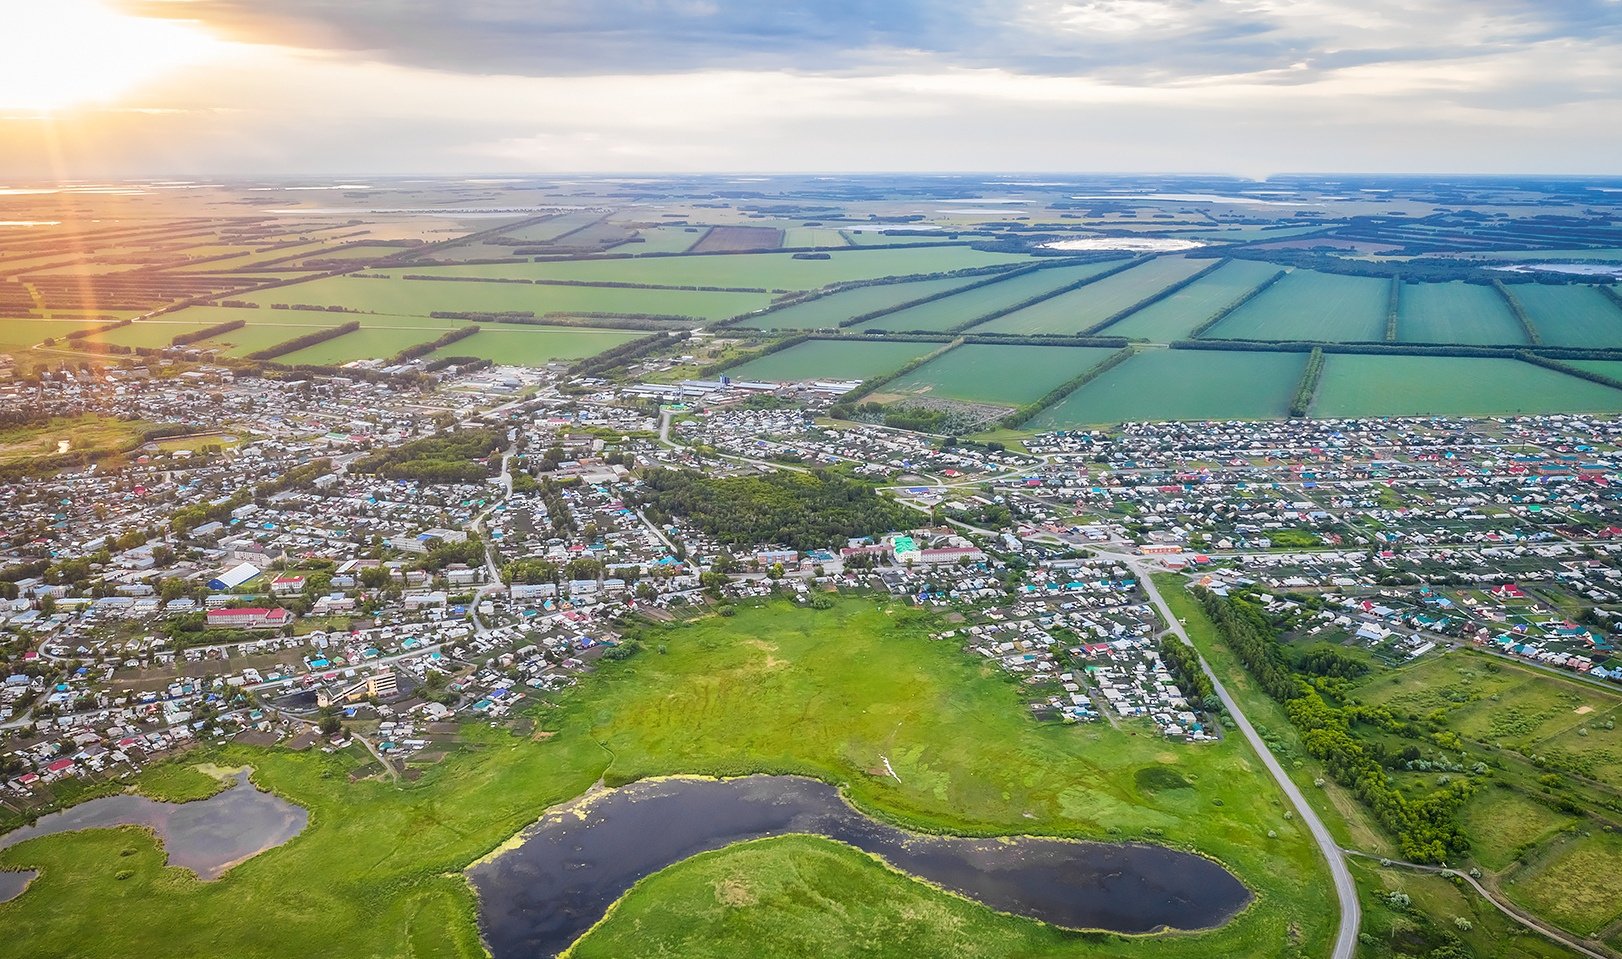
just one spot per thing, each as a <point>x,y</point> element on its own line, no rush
<point>64,53</point>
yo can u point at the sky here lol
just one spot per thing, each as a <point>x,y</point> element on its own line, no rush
<point>102,88</point>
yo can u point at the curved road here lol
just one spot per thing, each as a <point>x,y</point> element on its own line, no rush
<point>1351,914</point>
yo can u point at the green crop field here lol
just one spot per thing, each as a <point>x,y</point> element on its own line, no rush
<point>662,239</point>
<point>421,297</point>
<point>374,343</point>
<point>259,336</point>
<point>158,332</point>
<point>832,360</point>
<point>1611,368</point>
<point>1455,313</point>
<point>803,236</point>
<point>535,345</point>
<point>770,271</point>
<point>1182,385</point>
<point>1575,884</point>
<point>823,693</point>
<point>19,334</point>
<point>1173,318</point>
<point>1307,305</point>
<point>1005,375</point>
<point>826,312</point>
<point>1571,315</point>
<point>1367,385</point>
<point>1075,311</point>
<point>952,311</point>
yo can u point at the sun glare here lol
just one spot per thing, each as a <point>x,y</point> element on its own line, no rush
<point>63,53</point>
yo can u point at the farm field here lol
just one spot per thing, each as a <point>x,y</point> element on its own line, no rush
<point>739,239</point>
<point>515,345</point>
<point>662,239</point>
<point>826,312</point>
<point>157,332</point>
<point>1571,315</point>
<point>1455,313</point>
<point>993,373</point>
<point>822,236</point>
<point>19,334</point>
<point>1182,385</point>
<point>1176,315</point>
<point>832,360</point>
<point>960,308</point>
<point>1306,305</point>
<point>1077,310</point>
<point>1611,368</point>
<point>378,343</point>
<point>1367,385</point>
<point>814,692</point>
<point>770,271</point>
<point>421,297</point>
<point>259,336</point>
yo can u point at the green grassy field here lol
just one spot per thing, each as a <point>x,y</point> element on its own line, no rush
<point>1574,884</point>
<point>1455,313</point>
<point>771,271</point>
<point>1182,385</point>
<point>1571,315</point>
<point>259,336</point>
<point>535,345</point>
<point>826,312</point>
<point>832,360</point>
<point>421,297</point>
<point>158,332</point>
<point>1307,305</point>
<point>375,343</point>
<point>819,692</point>
<point>90,432</point>
<point>20,334</point>
<point>662,239</point>
<point>1611,368</point>
<point>1079,309</point>
<point>1367,385</point>
<point>1173,318</point>
<point>1501,821</point>
<point>1007,375</point>
<point>951,311</point>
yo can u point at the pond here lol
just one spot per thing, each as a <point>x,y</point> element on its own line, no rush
<point>207,836</point>
<point>567,869</point>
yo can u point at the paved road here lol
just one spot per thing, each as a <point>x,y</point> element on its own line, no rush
<point>1345,889</point>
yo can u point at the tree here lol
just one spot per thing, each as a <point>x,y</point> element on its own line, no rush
<point>330,726</point>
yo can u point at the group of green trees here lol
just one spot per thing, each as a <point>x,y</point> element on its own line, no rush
<point>457,456</point>
<point>1426,829</point>
<point>800,510</point>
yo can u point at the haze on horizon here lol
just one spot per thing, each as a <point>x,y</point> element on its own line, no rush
<point>103,88</point>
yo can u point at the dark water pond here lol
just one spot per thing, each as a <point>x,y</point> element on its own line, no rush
<point>571,866</point>
<point>208,836</point>
<point>12,883</point>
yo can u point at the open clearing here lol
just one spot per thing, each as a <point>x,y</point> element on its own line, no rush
<point>1077,310</point>
<point>1501,821</point>
<point>1455,313</point>
<point>770,271</point>
<point>1173,318</point>
<point>1571,315</point>
<point>823,693</point>
<point>1182,385</point>
<point>832,360</point>
<point>1306,305</point>
<point>827,312</point>
<point>1575,885</point>
<point>1004,375</point>
<point>970,305</point>
<point>534,345</point>
<point>1367,385</point>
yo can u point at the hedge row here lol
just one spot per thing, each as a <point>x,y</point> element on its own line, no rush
<point>309,339</point>
<point>1058,393</point>
<point>1233,307</point>
<point>1154,298</point>
<point>207,332</point>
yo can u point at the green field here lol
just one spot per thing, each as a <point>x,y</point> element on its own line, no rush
<point>832,360</point>
<point>1455,313</point>
<point>1096,302</point>
<point>1368,385</point>
<point>88,433</point>
<point>374,343</point>
<point>1574,884</point>
<point>1571,315</point>
<point>421,297</point>
<point>970,305</point>
<point>1176,315</point>
<point>1182,385</point>
<point>1611,368</point>
<point>20,334</point>
<point>827,312</point>
<point>1004,375</point>
<point>824,693</point>
<point>1500,821</point>
<point>771,271</point>
<point>662,239</point>
<point>535,345</point>
<point>1307,305</point>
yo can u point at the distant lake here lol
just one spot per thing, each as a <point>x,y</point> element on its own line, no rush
<point>1132,244</point>
<point>569,868</point>
<point>207,836</point>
